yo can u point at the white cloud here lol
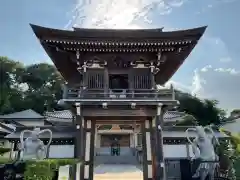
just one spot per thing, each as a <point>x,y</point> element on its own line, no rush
<point>206,68</point>
<point>197,84</point>
<point>222,84</point>
<point>179,86</point>
<point>120,14</point>
<point>231,71</point>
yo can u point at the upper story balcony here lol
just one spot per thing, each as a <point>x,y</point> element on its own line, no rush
<point>119,95</point>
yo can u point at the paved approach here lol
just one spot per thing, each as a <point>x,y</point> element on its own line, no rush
<point>119,172</point>
<point>109,172</point>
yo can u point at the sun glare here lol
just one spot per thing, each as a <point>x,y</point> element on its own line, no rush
<point>109,14</point>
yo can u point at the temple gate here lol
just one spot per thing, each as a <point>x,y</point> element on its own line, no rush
<point>116,75</point>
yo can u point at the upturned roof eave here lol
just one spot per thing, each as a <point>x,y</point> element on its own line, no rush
<point>44,32</point>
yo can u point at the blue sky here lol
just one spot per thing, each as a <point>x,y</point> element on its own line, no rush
<point>212,70</point>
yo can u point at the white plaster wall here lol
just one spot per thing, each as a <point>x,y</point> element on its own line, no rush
<point>175,151</point>
<point>32,123</point>
<point>7,144</point>
<point>61,151</point>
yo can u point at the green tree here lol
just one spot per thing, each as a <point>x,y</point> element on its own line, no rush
<point>28,87</point>
<point>188,120</point>
<point>233,152</point>
<point>235,140</point>
<point>205,111</point>
<point>10,79</point>
<point>44,86</point>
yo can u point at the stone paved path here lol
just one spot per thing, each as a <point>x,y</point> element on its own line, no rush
<point>119,172</point>
<point>109,172</point>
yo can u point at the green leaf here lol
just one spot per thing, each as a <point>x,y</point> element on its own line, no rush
<point>44,169</point>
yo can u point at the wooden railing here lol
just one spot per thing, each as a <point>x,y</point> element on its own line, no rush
<point>165,94</point>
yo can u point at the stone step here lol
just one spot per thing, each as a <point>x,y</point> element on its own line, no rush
<point>122,159</point>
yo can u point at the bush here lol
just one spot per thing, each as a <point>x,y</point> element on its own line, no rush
<point>4,150</point>
<point>45,169</point>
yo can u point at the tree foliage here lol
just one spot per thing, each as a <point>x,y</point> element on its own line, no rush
<point>188,120</point>
<point>205,111</point>
<point>28,87</point>
<point>235,140</point>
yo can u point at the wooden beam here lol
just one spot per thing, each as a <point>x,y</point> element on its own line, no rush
<point>119,112</point>
<point>119,118</point>
<point>123,122</point>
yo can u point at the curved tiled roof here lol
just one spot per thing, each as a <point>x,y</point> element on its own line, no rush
<point>115,33</point>
<point>62,45</point>
<point>26,114</point>
<point>66,115</point>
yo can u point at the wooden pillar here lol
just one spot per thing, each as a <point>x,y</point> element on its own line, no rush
<point>160,169</point>
<point>89,150</point>
<point>153,145</point>
<point>148,127</point>
<point>147,150</point>
<point>144,152</point>
<point>95,140</point>
<point>106,82</point>
<point>153,84</point>
<point>79,143</point>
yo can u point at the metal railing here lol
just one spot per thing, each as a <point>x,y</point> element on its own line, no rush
<point>165,94</point>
